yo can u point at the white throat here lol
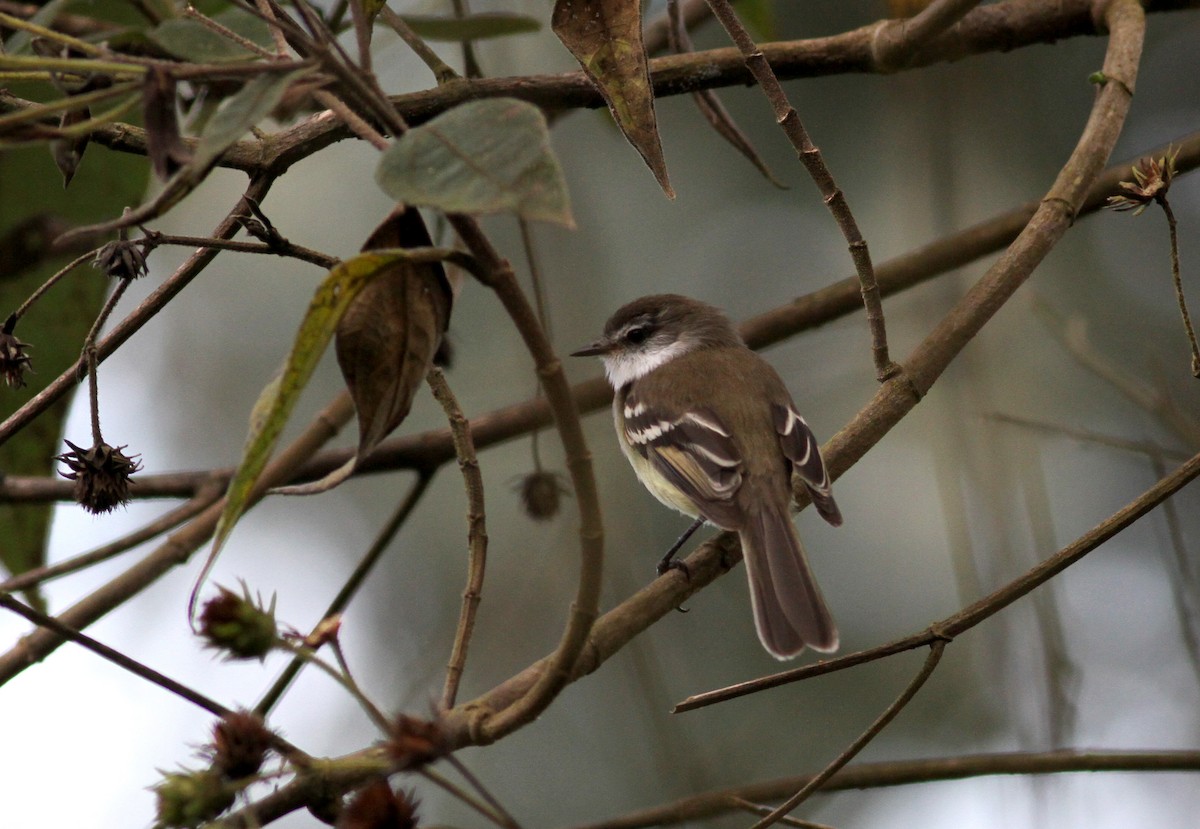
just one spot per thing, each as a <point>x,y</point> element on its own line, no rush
<point>624,367</point>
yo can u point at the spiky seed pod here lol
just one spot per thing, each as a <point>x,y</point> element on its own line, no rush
<point>121,259</point>
<point>101,475</point>
<point>376,806</point>
<point>14,362</point>
<point>240,627</point>
<point>188,798</point>
<point>240,744</point>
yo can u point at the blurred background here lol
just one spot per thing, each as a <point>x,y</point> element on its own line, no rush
<point>953,503</point>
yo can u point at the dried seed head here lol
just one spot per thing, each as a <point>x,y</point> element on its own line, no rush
<point>14,362</point>
<point>376,806</point>
<point>237,625</point>
<point>121,259</point>
<point>101,475</point>
<point>540,494</point>
<point>1152,180</point>
<point>188,798</point>
<point>240,744</point>
<point>415,742</point>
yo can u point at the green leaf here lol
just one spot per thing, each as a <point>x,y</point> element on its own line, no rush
<point>486,156</point>
<point>252,103</point>
<point>191,40</point>
<point>471,27</point>
<point>605,36</point>
<point>334,295</point>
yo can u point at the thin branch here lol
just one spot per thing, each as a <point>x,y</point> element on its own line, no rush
<point>442,71</point>
<point>288,249</point>
<point>814,163</point>
<point>852,750</point>
<point>906,773</point>
<point>477,538</point>
<point>1177,280</point>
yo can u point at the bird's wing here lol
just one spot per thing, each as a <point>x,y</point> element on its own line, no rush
<point>693,450</point>
<point>801,448</point>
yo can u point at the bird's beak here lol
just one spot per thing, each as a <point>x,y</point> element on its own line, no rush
<point>599,348</point>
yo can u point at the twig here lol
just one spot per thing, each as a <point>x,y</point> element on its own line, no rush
<point>1177,279</point>
<point>496,817</point>
<point>935,655</point>
<point>506,819</point>
<point>49,283</point>
<point>342,677</point>
<point>477,539</point>
<point>1142,447</point>
<point>811,157</point>
<point>442,71</point>
<point>288,249</point>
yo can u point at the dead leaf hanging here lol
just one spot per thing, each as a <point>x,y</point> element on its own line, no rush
<point>605,36</point>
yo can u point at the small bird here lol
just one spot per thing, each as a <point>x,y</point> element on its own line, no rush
<point>710,430</point>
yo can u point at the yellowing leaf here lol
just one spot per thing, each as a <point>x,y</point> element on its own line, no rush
<point>605,36</point>
<point>485,156</point>
<point>334,295</point>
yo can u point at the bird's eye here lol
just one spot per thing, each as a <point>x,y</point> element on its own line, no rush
<point>638,335</point>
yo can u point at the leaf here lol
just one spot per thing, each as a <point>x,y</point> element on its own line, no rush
<point>164,144</point>
<point>387,339</point>
<point>68,152</point>
<point>389,334</point>
<point>191,40</point>
<point>485,156</point>
<point>252,103</point>
<point>472,26</point>
<point>605,36</point>
<point>334,295</point>
<point>710,105</point>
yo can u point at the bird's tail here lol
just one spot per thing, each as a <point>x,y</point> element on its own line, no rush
<point>789,611</point>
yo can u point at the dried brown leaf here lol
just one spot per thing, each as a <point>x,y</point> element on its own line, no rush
<point>386,340</point>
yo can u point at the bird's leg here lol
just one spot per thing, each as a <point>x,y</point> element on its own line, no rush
<point>668,562</point>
